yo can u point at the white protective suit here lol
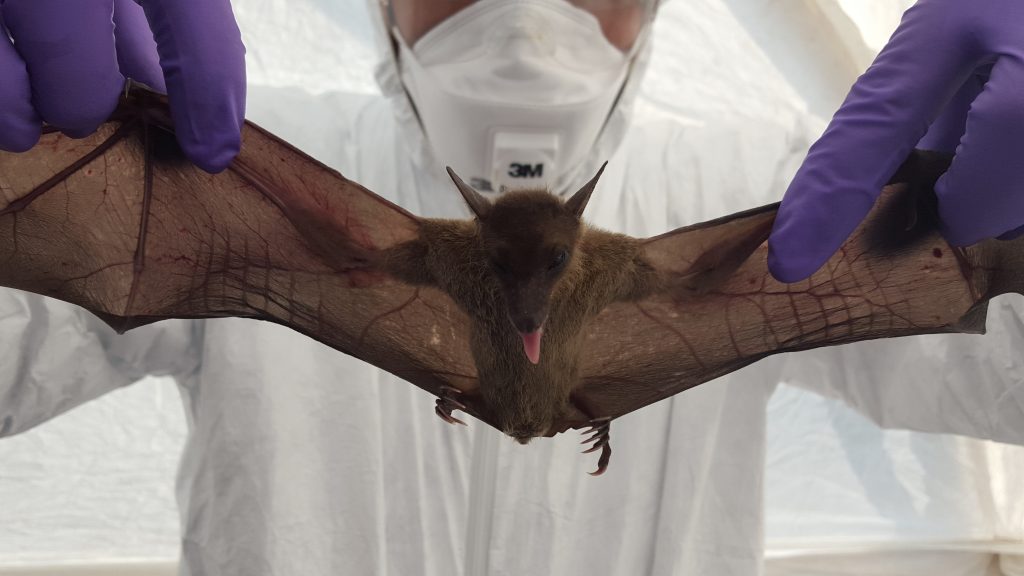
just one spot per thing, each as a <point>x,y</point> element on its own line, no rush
<point>301,460</point>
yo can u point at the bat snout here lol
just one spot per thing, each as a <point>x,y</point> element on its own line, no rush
<point>527,307</point>
<point>527,324</point>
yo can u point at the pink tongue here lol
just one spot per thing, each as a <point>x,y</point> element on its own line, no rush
<point>531,344</point>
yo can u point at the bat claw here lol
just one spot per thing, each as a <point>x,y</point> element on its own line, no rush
<point>602,462</point>
<point>600,444</point>
<point>446,404</point>
<point>447,416</point>
<point>600,429</point>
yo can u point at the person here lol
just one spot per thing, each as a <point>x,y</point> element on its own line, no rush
<point>301,460</point>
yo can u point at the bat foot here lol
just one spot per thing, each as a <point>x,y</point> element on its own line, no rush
<point>446,403</point>
<point>601,438</point>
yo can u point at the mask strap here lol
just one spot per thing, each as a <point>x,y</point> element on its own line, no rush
<point>398,45</point>
<point>388,11</point>
<point>639,44</point>
<point>387,14</point>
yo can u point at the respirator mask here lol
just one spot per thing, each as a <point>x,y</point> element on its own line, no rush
<point>514,93</point>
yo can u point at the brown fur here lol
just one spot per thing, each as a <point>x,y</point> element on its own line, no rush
<point>459,257</point>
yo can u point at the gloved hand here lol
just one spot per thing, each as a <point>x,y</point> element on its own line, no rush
<point>933,69</point>
<point>69,60</point>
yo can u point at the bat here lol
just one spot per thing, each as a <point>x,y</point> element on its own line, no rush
<point>526,268</point>
<point>122,225</point>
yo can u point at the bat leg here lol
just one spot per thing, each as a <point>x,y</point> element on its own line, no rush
<point>446,402</point>
<point>601,430</point>
<point>600,427</point>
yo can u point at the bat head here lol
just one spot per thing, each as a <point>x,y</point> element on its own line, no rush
<point>530,239</point>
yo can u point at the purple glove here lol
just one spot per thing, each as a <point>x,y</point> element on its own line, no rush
<point>69,60</point>
<point>930,74</point>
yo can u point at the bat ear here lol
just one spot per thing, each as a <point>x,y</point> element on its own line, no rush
<point>579,200</point>
<point>477,203</point>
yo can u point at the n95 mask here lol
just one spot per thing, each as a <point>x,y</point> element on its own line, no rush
<point>514,93</point>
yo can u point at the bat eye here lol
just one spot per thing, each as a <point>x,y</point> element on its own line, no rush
<point>559,260</point>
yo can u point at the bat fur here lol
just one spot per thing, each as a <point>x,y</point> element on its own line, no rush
<point>498,268</point>
<point>526,261</point>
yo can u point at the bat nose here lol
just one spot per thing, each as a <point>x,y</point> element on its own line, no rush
<point>527,324</point>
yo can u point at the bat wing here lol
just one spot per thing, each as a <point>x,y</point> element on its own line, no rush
<point>720,309</point>
<point>122,225</point>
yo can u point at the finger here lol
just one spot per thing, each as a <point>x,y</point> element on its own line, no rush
<point>945,132</point>
<point>979,196</point>
<point>203,60</point>
<point>1015,233</point>
<point>136,49</point>
<point>886,113</point>
<point>19,123</point>
<point>68,49</point>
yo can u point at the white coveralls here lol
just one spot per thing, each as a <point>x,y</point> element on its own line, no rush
<point>302,460</point>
